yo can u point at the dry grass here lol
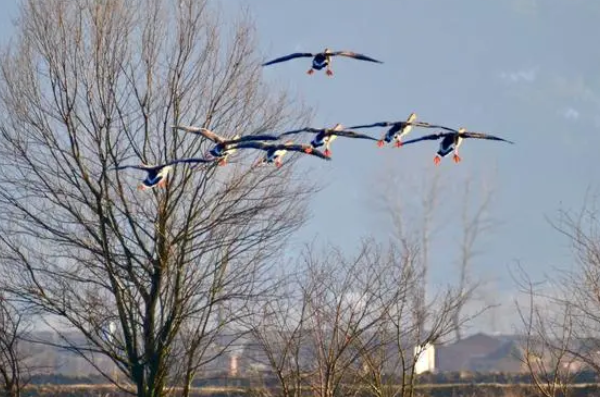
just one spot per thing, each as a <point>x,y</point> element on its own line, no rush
<point>109,390</point>
<point>430,390</point>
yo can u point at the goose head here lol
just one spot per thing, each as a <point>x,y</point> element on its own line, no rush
<point>277,157</point>
<point>216,151</point>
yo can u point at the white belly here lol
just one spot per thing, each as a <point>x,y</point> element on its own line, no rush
<point>279,154</point>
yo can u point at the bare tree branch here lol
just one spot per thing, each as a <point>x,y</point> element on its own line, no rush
<point>15,363</point>
<point>548,341</point>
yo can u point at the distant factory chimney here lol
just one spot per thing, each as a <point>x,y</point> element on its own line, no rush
<point>233,365</point>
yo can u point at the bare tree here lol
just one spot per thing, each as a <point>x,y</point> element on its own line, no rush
<point>212,333</point>
<point>417,322</point>
<point>561,324</point>
<point>547,341</point>
<point>347,296</point>
<point>475,223</point>
<point>98,84</point>
<point>316,336</point>
<point>385,356</point>
<point>415,222</point>
<point>279,337</point>
<point>576,290</point>
<point>393,363</point>
<point>14,359</point>
<point>415,231</point>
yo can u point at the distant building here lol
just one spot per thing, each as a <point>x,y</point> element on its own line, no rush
<point>245,357</point>
<point>425,358</point>
<point>458,356</point>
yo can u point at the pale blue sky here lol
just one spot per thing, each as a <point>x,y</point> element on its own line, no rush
<point>523,69</point>
<point>526,70</point>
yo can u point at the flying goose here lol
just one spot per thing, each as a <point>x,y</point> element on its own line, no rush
<point>157,174</point>
<point>325,136</point>
<point>450,142</point>
<point>223,147</point>
<point>321,59</point>
<point>276,151</point>
<point>398,129</point>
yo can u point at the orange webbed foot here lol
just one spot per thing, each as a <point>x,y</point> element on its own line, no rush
<point>329,72</point>
<point>278,164</point>
<point>308,150</point>
<point>380,143</point>
<point>457,158</point>
<point>141,187</point>
<point>222,162</point>
<point>327,152</point>
<point>310,71</point>
<point>437,160</point>
<point>398,143</point>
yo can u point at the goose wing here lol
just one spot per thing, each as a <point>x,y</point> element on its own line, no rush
<point>252,145</point>
<point>480,135</point>
<point>144,167</point>
<point>401,123</point>
<point>288,57</point>
<point>308,149</point>
<point>430,137</point>
<point>352,134</point>
<point>355,55</point>
<point>191,160</point>
<point>249,138</point>
<point>208,134</point>
<point>427,125</point>
<point>306,129</point>
<point>378,124</point>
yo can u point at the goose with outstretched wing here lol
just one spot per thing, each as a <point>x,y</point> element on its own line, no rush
<point>223,147</point>
<point>321,59</point>
<point>398,129</point>
<point>276,151</point>
<point>157,174</point>
<point>450,142</point>
<point>325,136</point>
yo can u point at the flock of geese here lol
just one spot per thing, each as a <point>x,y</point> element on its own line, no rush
<point>450,139</point>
